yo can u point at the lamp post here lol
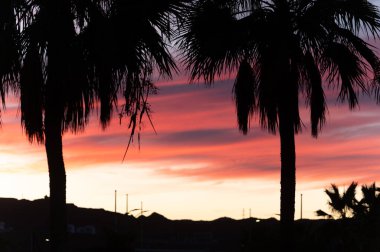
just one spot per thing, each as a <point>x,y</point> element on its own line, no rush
<point>301,206</point>
<point>115,200</point>
<point>126,204</point>
<point>115,211</point>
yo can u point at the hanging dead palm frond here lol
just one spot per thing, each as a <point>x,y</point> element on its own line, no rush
<point>31,92</point>
<point>244,95</point>
<point>315,94</point>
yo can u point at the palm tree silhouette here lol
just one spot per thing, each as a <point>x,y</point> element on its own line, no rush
<point>280,49</point>
<point>370,202</point>
<point>345,204</point>
<point>342,204</point>
<point>370,213</point>
<point>76,53</point>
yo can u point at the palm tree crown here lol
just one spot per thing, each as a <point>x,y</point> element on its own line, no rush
<point>280,49</point>
<point>370,202</point>
<point>107,47</point>
<point>346,205</point>
<point>343,203</point>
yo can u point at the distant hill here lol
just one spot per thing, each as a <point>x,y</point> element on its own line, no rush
<point>22,219</point>
<point>24,227</point>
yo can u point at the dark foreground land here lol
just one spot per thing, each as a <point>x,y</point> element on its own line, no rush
<point>24,227</point>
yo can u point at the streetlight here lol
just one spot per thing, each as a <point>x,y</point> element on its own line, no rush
<point>126,204</point>
<point>301,206</point>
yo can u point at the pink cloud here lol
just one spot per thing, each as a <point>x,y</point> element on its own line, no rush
<point>198,136</point>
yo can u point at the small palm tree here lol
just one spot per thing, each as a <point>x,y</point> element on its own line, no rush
<point>278,50</point>
<point>342,204</point>
<point>370,201</point>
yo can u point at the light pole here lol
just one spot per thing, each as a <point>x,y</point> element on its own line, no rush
<point>301,206</point>
<point>141,213</point>
<point>115,212</point>
<point>115,200</point>
<point>126,206</point>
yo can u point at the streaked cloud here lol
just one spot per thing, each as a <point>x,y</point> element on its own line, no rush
<point>198,154</point>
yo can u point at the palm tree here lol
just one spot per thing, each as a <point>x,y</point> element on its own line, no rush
<point>278,50</point>
<point>370,202</point>
<point>370,206</point>
<point>78,52</point>
<point>346,204</point>
<point>342,204</point>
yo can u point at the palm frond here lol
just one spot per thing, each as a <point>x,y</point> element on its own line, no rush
<point>31,92</point>
<point>343,65</point>
<point>367,52</point>
<point>362,48</point>
<point>315,94</point>
<point>349,195</point>
<point>336,202</point>
<point>358,15</point>
<point>289,96</point>
<point>161,13</point>
<point>9,48</point>
<point>124,45</point>
<point>244,95</point>
<point>153,46</point>
<point>79,93</point>
<point>139,88</point>
<point>210,41</point>
<point>310,20</point>
<point>321,213</point>
<point>268,93</point>
<point>355,15</point>
<point>369,193</point>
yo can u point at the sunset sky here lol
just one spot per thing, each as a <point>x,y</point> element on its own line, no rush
<point>197,166</point>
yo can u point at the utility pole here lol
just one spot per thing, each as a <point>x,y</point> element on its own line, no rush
<point>115,212</point>
<point>141,225</point>
<point>115,200</point>
<point>141,213</point>
<point>301,206</point>
<point>126,206</point>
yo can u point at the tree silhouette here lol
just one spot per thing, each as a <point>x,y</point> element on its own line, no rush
<point>346,205</point>
<point>280,49</point>
<point>342,204</point>
<point>370,214</point>
<point>369,205</point>
<point>75,54</point>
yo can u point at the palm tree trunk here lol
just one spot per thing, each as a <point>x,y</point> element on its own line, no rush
<point>57,176</point>
<point>53,144</point>
<point>288,177</point>
<point>54,114</point>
